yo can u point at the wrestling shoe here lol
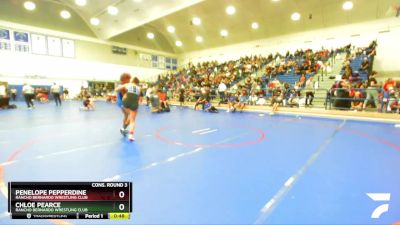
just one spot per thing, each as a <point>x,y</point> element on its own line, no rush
<point>123,131</point>
<point>130,137</point>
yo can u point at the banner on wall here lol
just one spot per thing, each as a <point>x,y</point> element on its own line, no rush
<point>4,34</point>
<point>54,46</point>
<point>21,41</point>
<point>39,45</point>
<point>21,37</point>
<point>5,42</point>
<point>68,48</point>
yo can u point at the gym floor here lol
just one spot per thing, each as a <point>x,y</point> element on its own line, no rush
<point>192,167</point>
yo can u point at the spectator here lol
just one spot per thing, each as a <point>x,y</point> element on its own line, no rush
<point>221,91</point>
<point>357,95</point>
<point>261,101</point>
<point>264,79</point>
<point>181,97</point>
<point>243,100</point>
<point>88,104</point>
<point>232,102</point>
<point>342,95</point>
<point>302,80</point>
<point>277,99</point>
<point>354,77</point>
<point>66,94</point>
<point>365,65</point>
<point>56,90</point>
<point>253,98</point>
<point>29,95</point>
<point>371,91</point>
<point>164,106</point>
<point>208,107</point>
<point>149,92</point>
<point>42,96</point>
<point>201,101</point>
<point>388,90</point>
<point>309,91</point>
<point>292,97</point>
<point>14,94</point>
<point>395,106</point>
<point>348,71</point>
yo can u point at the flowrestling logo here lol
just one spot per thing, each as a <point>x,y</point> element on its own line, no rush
<point>384,198</point>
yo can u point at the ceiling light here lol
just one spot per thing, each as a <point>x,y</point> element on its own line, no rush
<point>29,5</point>
<point>275,0</point>
<point>65,14</point>
<point>95,21</point>
<point>254,25</point>
<point>178,43</point>
<point>81,2</point>
<point>199,39</point>
<point>230,10</point>
<point>348,5</point>
<point>224,33</point>
<point>196,21</point>
<point>112,10</point>
<point>150,35</point>
<point>296,16</point>
<point>138,1</point>
<point>171,29</point>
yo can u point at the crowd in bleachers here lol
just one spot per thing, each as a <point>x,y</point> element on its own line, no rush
<point>208,75</point>
<point>279,80</point>
<point>358,88</point>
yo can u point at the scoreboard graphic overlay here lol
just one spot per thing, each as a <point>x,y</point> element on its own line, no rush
<point>70,200</point>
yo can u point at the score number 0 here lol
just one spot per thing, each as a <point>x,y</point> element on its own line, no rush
<point>121,195</point>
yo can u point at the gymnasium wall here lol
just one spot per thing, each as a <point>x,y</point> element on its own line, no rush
<point>360,34</point>
<point>93,61</point>
<point>17,68</point>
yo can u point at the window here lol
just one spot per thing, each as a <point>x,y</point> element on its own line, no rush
<point>174,64</point>
<point>154,61</point>
<point>161,62</point>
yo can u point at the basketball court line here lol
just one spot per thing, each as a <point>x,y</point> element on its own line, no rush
<point>288,185</point>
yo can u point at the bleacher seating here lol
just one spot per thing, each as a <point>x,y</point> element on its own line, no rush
<point>355,66</point>
<point>291,78</point>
